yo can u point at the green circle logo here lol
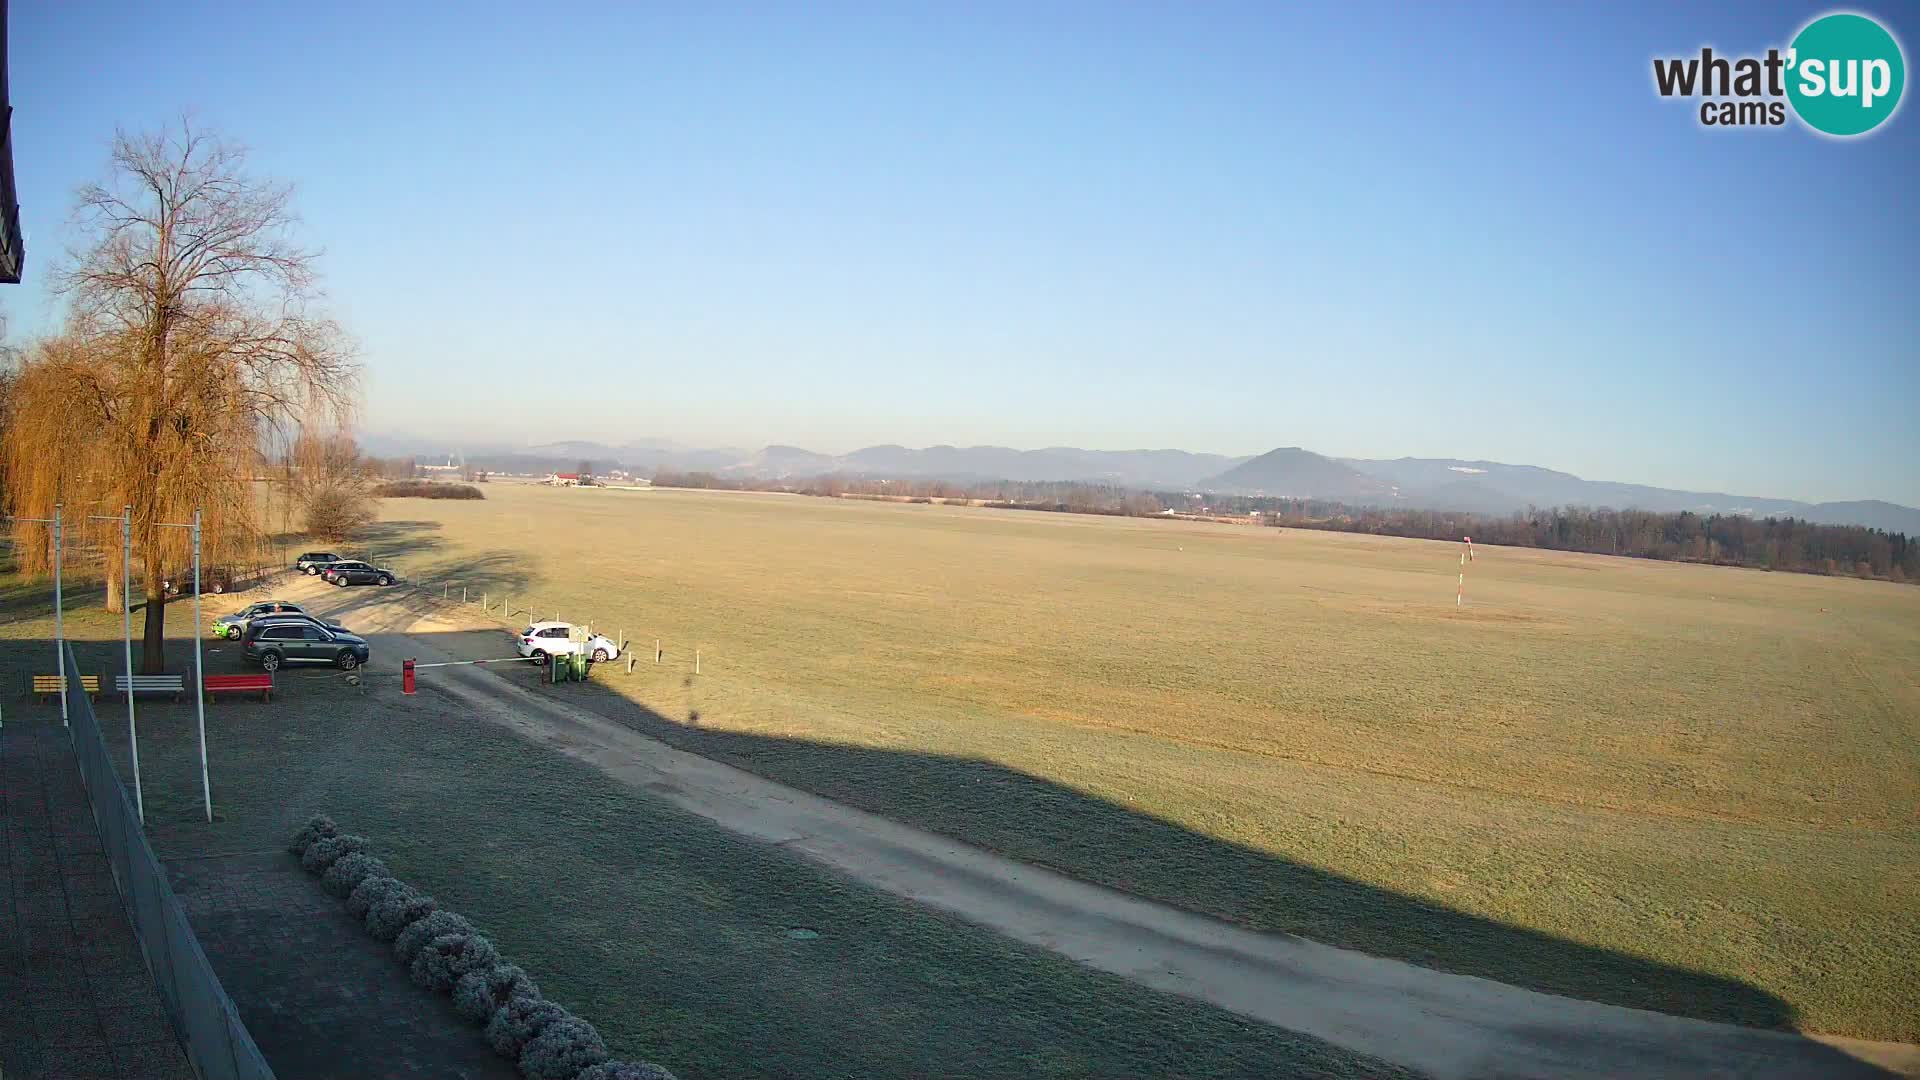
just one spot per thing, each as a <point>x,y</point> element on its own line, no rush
<point>1845,74</point>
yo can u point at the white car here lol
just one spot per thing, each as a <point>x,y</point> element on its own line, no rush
<point>549,639</point>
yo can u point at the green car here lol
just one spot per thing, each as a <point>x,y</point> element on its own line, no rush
<point>232,626</point>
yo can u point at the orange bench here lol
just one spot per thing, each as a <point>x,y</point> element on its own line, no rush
<point>239,684</point>
<point>52,686</point>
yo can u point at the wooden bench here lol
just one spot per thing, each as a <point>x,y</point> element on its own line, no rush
<point>152,684</point>
<point>52,686</point>
<point>239,684</point>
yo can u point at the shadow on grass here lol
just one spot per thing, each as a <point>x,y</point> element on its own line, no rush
<point>387,536</point>
<point>26,599</point>
<point>495,577</point>
<point>1040,822</point>
<point>1037,821</point>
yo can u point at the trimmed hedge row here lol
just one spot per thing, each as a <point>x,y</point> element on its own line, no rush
<point>444,952</point>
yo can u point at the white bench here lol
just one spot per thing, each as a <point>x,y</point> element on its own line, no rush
<point>152,684</point>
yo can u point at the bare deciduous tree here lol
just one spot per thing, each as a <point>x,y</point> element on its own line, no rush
<point>188,339</point>
<point>330,485</point>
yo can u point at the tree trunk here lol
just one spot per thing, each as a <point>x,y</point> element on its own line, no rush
<point>153,649</point>
<point>114,592</point>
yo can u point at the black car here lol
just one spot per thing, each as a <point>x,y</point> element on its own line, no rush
<point>271,642</point>
<point>213,579</point>
<point>313,562</point>
<point>347,572</point>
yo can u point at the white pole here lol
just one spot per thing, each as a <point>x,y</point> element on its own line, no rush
<point>126,636</point>
<point>199,683</point>
<point>59,618</point>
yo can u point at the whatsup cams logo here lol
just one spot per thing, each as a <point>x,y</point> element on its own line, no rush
<point>1842,75</point>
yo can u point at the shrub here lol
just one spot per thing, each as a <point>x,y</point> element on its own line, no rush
<point>349,871</point>
<point>518,1021</point>
<point>479,992</point>
<point>415,937</point>
<point>318,827</point>
<point>398,909</point>
<point>335,509</point>
<point>324,853</point>
<point>561,1049</point>
<point>427,489</point>
<point>371,888</point>
<point>625,1070</point>
<point>442,961</point>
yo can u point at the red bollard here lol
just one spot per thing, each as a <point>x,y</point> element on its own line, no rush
<point>406,676</point>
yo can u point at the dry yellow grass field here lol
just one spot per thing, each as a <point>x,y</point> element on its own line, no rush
<point>1678,787</point>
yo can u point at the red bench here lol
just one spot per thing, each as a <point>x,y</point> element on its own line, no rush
<point>239,684</point>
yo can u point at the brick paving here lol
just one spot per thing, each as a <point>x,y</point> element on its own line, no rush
<point>322,997</point>
<point>76,999</point>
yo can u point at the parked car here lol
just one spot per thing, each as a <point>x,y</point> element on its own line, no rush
<point>213,579</point>
<point>271,642</point>
<point>348,572</point>
<point>544,640</point>
<point>313,562</point>
<point>232,626</point>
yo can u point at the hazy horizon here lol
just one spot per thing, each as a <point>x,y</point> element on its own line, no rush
<point>431,445</point>
<point>1372,232</point>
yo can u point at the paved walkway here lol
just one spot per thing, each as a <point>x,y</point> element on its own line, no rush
<point>75,996</point>
<point>322,997</point>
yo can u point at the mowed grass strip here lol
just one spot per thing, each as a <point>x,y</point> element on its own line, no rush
<point>1703,780</point>
<point>684,944</point>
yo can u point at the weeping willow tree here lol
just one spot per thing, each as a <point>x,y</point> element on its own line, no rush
<point>188,341</point>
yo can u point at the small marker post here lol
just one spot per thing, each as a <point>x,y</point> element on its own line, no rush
<point>1460,593</point>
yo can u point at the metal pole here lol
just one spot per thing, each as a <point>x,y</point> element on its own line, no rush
<point>126,637</point>
<point>199,682</point>
<point>126,634</point>
<point>59,617</point>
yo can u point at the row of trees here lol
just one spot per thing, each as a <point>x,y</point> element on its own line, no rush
<point>189,344</point>
<point>1766,543</point>
<point>1728,539</point>
<point>1065,496</point>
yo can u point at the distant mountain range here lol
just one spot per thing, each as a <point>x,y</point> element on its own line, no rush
<point>1490,487</point>
<point>1487,487</point>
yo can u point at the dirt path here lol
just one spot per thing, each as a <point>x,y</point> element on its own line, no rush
<point>1446,1025</point>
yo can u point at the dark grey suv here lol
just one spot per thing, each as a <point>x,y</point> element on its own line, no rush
<point>273,642</point>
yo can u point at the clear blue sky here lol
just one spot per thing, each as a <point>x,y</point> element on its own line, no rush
<point>1370,231</point>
